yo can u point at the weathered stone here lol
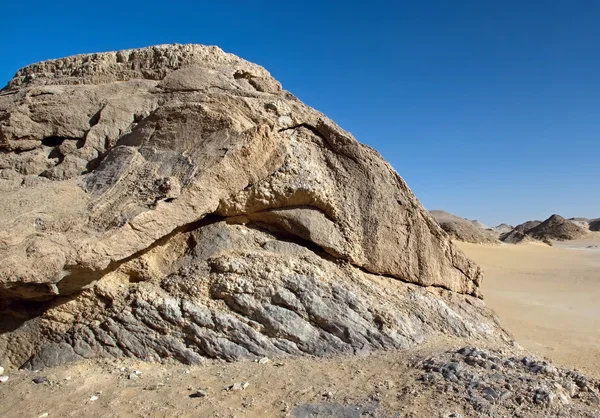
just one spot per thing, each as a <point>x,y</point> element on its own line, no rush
<point>180,204</point>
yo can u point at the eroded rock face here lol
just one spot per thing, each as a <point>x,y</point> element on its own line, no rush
<point>174,201</point>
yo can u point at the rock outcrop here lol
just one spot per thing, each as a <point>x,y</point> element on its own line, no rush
<point>594,225</point>
<point>462,229</point>
<point>501,229</point>
<point>554,228</point>
<point>519,233</point>
<point>175,202</point>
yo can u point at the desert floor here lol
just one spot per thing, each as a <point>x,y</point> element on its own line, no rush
<point>547,297</point>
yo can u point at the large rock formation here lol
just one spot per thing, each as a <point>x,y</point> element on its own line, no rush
<point>174,201</point>
<point>462,229</point>
<point>554,228</point>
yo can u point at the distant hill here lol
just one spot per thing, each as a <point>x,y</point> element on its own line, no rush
<point>581,222</point>
<point>500,230</point>
<point>557,228</point>
<point>554,228</point>
<point>462,229</point>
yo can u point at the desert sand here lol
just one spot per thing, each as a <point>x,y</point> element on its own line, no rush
<point>548,297</point>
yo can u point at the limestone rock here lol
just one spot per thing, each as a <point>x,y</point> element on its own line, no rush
<point>174,201</point>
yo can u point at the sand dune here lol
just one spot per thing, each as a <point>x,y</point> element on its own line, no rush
<point>548,297</point>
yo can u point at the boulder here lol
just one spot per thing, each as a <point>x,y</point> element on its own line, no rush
<point>175,202</point>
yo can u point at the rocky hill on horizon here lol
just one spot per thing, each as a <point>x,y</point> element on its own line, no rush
<point>462,229</point>
<point>554,228</point>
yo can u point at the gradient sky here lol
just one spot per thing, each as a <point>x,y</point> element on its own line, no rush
<point>488,109</point>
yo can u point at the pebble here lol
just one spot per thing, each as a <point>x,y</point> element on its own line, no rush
<point>93,398</point>
<point>239,386</point>
<point>40,379</point>
<point>263,360</point>
<point>44,415</point>
<point>3,378</point>
<point>133,376</point>
<point>154,387</point>
<point>199,394</point>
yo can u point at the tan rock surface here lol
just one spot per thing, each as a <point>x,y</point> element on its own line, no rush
<point>113,163</point>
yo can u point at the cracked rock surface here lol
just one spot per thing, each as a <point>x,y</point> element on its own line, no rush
<point>175,202</point>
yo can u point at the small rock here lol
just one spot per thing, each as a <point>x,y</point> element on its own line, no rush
<point>263,360</point>
<point>489,394</point>
<point>154,387</point>
<point>239,386</point>
<point>3,378</point>
<point>40,379</point>
<point>44,415</point>
<point>1,370</point>
<point>133,376</point>
<point>138,373</point>
<point>328,395</point>
<point>550,370</point>
<point>505,395</point>
<point>93,398</point>
<point>199,394</point>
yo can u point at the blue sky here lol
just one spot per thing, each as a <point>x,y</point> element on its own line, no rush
<point>488,109</point>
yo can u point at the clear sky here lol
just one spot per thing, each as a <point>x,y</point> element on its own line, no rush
<point>488,109</point>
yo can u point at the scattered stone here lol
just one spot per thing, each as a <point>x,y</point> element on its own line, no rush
<point>263,360</point>
<point>133,376</point>
<point>44,415</point>
<point>1,370</point>
<point>490,382</point>
<point>40,379</point>
<point>3,379</point>
<point>154,387</point>
<point>238,386</point>
<point>199,394</point>
<point>94,398</point>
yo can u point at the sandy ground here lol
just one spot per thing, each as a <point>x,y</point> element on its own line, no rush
<point>383,384</point>
<point>548,297</point>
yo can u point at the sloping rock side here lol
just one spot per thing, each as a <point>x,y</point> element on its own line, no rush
<point>174,201</point>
